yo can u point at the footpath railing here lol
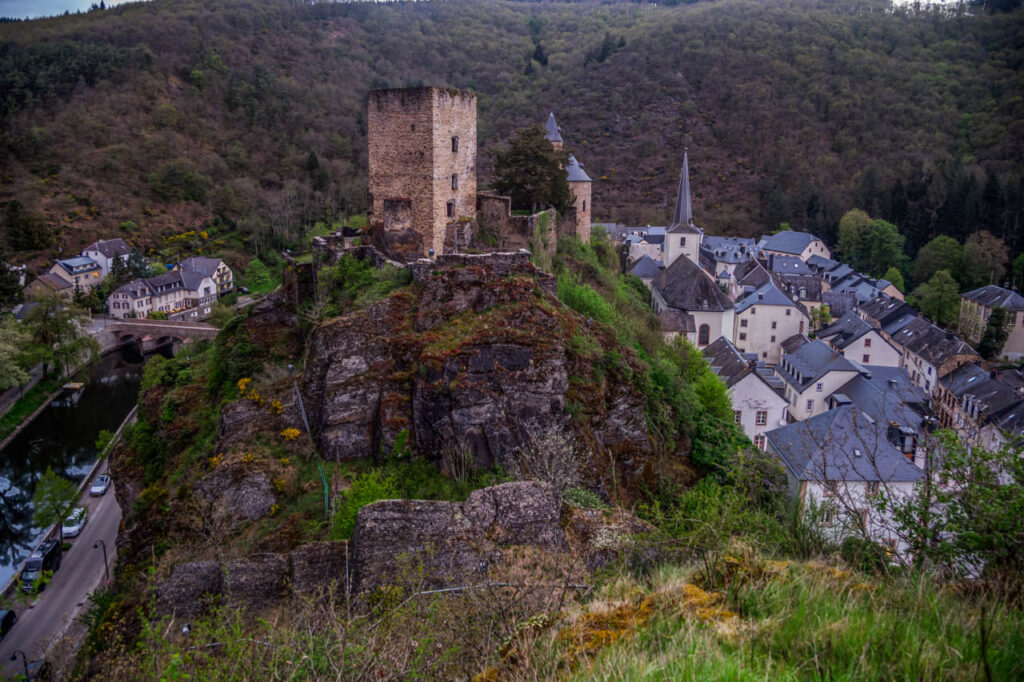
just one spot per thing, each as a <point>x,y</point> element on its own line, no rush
<point>101,457</point>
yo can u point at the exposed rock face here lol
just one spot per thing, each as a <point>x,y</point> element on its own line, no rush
<point>257,579</point>
<point>477,348</point>
<point>237,492</point>
<point>189,589</point>
<point>452,541</point>
<point>316,565</point>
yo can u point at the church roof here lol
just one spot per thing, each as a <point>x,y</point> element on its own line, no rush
<point>682,217</point>
<point>551,129</point>
<point>646,267</point>
<point>686,286</point>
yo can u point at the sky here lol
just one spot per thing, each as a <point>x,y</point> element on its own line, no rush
<point>27,9</point>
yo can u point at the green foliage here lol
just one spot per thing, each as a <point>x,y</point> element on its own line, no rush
<point>985,257</point>
<point>581,497</point>
<point>13,340</point>
<point>938,298</point>
<point>59,335</point>
<point>26,405</point>
<point>367,488</point>
<point>10,285</point>
<point>234,356</point>
<point>995,335</point>
<point>941,253</point>
<point>103,440</point>
<point>531,172</point>
<point>896,277</point>
<point>871,246</point>
<point>150,450</point>
<point>157,315</point>
<point>351,283</point>
<point>821,316</point>
<point>257,277</point>
<point>53,498</point>
<point>25,230</point>
<point>179,180</point>
<point>584,300</point>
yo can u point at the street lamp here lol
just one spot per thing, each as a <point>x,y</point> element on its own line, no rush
<point>99,544</point>
<point>24,661</point>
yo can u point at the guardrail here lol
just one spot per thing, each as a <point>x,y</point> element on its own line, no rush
<point>101,457</point>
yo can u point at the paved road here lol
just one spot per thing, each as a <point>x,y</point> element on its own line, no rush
<point>40,623</point>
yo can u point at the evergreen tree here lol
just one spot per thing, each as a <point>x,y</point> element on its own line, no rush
<point>996,333</point>
<point>531,172</point>
<point>26,231</point>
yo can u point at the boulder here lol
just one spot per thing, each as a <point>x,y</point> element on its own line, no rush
<point>236,491</point>
<point>257,579</point>
<point>190,588</point>
<point>316,566</point>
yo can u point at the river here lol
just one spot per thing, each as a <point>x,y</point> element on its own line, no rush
<point>64,439</point>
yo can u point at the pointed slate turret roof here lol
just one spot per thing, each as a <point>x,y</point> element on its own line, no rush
<point>551,128</point>
<point>574,171</point>
<point>682,217</point>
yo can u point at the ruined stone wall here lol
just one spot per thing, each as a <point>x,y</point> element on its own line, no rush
<point>583,209</point>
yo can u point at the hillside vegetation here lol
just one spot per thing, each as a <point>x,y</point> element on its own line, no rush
<point>149,119</point>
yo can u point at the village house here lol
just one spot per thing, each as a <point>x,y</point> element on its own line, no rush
<point>647,269</point>
<point>80,272</point>
<point>722,254</point>
<point>984,408</point>
<point>930,353</point>
<point>859,341</point>
<point>838,462</point>
<point>648,241</point>
<point>214,268</point>
<point>683,238</point>
<point>803,245</point>
<point>178,294</point>
<point>813,373</point>
<point>976,307</point>
<point>106,251</point>
<point>683,286</point>
<point>756,393</point>
<point>764,317</point>
<point>47,284</point>
<point>888,315</point>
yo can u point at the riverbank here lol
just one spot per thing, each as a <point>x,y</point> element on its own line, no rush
<point>26,408</point>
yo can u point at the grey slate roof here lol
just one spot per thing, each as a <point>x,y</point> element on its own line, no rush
<point>991,395</point>
<point>838,272</point>
<point>685,286</point>
<point>787,265</point>
<point>1012,420</point>
<point>109,247</point>
<point>53,281</point>
<point>682,217</point>
<point>845,330</point>
<point>201,264</point>
<point>766,294</point>
<point>78,264</point>
<point>993,296</point>
<point>646,267</point>
<point>888,397</point>
<point>551,132</point>
<point>788,242</point>
<point>884,309</point>
<point>809,363</point>
<point>574,171</point>
<point>731,365</point>
<point>842,444</point>
<point>728,249</point>
<point>931,343</point>
<point>751,274</point>
<point>792,343</point>
<point>137,288</point>
<point>821,264</point>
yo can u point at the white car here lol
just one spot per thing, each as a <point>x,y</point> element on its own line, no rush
<point>74,523</point>
<point>100,485</point>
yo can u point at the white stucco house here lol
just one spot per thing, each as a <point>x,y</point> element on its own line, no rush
<point>686,288</point>
<point>812,373</point>
<point>764,318</point>
<point>106,251</point>
<point>803,245</point>
<point>757,394</point>
<point>860,341</point>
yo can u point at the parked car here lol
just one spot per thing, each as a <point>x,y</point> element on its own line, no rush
<point>74,523</point>
<point>100,485</point>
<point>46,558</point>
<point>7,620</point>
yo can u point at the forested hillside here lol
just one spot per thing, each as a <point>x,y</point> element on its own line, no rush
<point>167,115</point>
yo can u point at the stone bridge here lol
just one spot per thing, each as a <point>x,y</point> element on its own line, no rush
<point>150,334</point>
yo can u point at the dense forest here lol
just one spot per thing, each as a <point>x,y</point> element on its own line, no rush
<point>149,119</point>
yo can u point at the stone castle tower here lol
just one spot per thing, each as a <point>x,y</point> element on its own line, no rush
<point>579,182</point>
<point>422,162</point>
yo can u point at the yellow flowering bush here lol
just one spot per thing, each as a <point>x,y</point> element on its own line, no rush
<point>248,458</point>
<point>243,385</point>
<point>285,461</point>
<point>276,407</point>
<point>279,484</point>
<point>291,433</point>
<point>216,459</point>
<point>274,508</point>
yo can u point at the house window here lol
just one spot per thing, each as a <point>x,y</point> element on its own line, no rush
<point>455,182</point>
<point>737,415</point>
<point>449,209</point>
<point>455,144</point>
<point>866,359</point>
<point>743,323</point>
<point>801,326</point>
<point>773,338</point>
<point>682,241</point>
<point>775,325</point>
<point>743,337</point>
<point>703,335</point>
<point>872,487</point>
<point>820,387</point>
<point>762,417</point>
<point>759,441</point>
<point>788,311</point>
<point>826,517</point>
<point>753,310</point>
<point>867,343</point>
<point>810,404</point>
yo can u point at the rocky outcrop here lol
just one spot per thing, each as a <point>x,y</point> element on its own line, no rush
<point>448,541</point>
<point>190,589</point>
<point>316,566</point>
<point>237,492</point>
<point>257,579</point>
<point>478,348</point>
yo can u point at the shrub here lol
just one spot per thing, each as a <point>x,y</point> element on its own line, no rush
<point>584,300</point>
<point>367,488</point>
<point>581,497</point>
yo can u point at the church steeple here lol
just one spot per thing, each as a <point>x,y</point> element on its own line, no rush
<point>684,210</point>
